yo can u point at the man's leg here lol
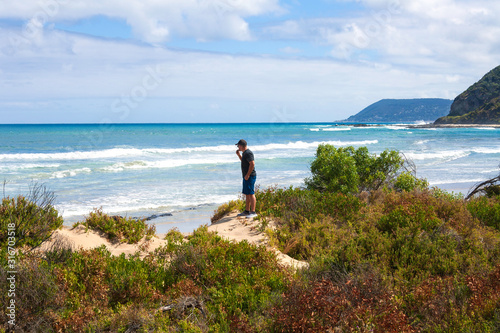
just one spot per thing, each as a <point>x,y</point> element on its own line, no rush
<point>248,202</point>
<point>251,202</point>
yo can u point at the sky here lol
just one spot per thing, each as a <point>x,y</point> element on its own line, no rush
<point>184,61</point>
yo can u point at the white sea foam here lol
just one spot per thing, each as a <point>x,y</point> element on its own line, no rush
<point>153,172</point>
<point>311,145</point>
<point>438,155</point>
<point>489,171</point>
<point>396,127</point>
<point>114,153</point>
<point>487,150</point>
<point>75,155</point>
<point>455,181</point>
<point>70,173</point>
<point>166,163</point>
<point>151,152</point>
<point>27,166</point>
<point>130,205</point>
<point>336,129</point>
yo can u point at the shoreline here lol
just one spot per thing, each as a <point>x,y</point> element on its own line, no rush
<point>413,125</point>
<point>189,219</point>
<point>185,220</point>
<point>455,125</point>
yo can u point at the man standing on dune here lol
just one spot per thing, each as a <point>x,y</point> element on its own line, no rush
<point>249,178</point>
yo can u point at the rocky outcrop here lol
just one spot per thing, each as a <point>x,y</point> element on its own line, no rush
<point>479,104</point>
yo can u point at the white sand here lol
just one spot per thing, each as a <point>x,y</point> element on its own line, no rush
<point>240,228</point>
<point>77,238</point>
<point>230,227</point>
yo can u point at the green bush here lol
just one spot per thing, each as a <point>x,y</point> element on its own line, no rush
<point>406,181</point>
<point>118,228</point>
<point>334,170</point>
<point>241,280</point>
<point>410,235</point>
<point>348,170</point>
<point>29,221</point>
<point>487,210</point>
<point>36,294</point>
<point>175,239</point>
<point>208,284</point>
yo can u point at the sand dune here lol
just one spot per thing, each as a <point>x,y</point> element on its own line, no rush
<point>230,227</point>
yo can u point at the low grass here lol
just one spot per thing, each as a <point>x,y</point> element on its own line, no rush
<point>226,208</point>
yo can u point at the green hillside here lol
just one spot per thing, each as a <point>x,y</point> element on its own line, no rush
<point>480,104</point>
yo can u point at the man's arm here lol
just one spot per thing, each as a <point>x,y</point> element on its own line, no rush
<point>238,153</point>
<point>250,169</point>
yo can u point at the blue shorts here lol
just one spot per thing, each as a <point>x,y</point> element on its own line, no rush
<point>249,185</point>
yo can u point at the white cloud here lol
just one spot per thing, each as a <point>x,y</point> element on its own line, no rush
<point>290,50</point>
<point>151,20</point>
<point>120,77</point>
<point>425,33</point>
<point>395,49</point>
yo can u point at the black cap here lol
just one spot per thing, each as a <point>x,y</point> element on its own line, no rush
<point>242,143</point>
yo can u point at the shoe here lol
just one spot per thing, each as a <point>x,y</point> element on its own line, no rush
<point>251,215</point>
<point>245,213</point>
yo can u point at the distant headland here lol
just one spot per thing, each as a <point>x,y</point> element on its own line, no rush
<point>478,105</point>
<point>402,110</point>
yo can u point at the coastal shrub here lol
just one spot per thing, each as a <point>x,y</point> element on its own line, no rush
<point>456,303</point>
<point>349,170</point>
<point>59,251</point>
<point>226,208</point>
<point>487,210</point>
<point>129,318</point>
<point>36,293</point>
<point>387,261</point>
<point>118,228</point>
<point>306,219</point>
<point>240,280</point>
<point>30,220</point>
<point>406,181</point>
<point>97,285</point>
<point>334,170</point>
<point>432,236</point>
<point>310,204</point>
<point>408,235</point>
<point>351,302</point>
<point>175,238</point>
<point>130,280</point>
<point>83,278</point>
<point>492,191</point>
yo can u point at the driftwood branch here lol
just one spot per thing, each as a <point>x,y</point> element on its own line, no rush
<point>481,188</point>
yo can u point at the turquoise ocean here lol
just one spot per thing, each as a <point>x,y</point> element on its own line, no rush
<point>187,170</point>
